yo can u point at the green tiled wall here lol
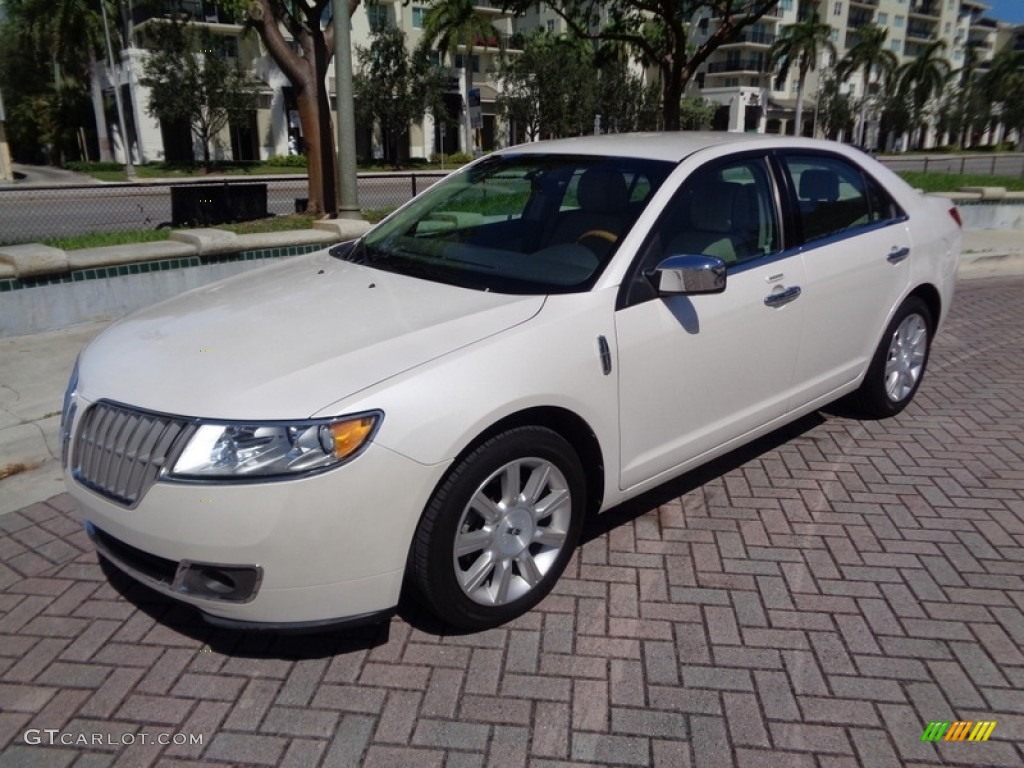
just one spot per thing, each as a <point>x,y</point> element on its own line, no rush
<point>15,284</point>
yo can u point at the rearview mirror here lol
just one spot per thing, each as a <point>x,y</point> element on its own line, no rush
<point>689,274</point>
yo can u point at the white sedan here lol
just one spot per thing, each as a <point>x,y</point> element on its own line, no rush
<point>440,405</point>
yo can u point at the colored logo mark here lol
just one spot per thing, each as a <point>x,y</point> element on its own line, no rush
<point>959,730</point>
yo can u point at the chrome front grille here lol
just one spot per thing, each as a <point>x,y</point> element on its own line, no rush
<point>119,452</point>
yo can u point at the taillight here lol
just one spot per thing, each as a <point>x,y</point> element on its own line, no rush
<point>956,217</point>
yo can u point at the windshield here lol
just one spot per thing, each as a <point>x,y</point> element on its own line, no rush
<point>517,223</point>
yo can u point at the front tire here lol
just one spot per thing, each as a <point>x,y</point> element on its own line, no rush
<point>500,529</point>
<point>899,362</point>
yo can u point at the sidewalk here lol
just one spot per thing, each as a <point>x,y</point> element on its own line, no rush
<point>992,252</point>
<point>34,372</point>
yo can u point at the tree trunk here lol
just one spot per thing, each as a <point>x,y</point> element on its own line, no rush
<point>798,129</point>
<point>306,72</point>
<point>321,58</point>
<point>467,123</point>
<point>98,109</point>
<point>309,117</point>
<point>862,135</point>
<point>671,93</point>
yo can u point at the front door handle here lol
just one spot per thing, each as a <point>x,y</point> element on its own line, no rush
<point>782,297</point>
<point>896,255</point>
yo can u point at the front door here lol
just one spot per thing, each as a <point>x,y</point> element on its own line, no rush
<point>696,372</point>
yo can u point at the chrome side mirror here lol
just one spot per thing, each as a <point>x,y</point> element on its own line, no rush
<point>689,275</point>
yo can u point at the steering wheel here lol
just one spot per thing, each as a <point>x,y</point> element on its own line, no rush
<point>604,234</point>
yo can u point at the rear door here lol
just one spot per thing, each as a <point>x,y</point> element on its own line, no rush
<point>856,254</point>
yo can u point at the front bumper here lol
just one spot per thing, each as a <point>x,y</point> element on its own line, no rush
<point>319,549</point>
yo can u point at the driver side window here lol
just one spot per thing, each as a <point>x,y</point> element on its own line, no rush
<point>725,210</point>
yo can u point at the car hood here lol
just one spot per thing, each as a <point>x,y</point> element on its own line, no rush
<point>286,341</point>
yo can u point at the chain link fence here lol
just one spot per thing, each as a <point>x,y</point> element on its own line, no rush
<point>992,164</point>
<point>35,213</point>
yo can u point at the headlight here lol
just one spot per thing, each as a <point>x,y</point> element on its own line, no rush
<point>67,415</point>
<point>273,449</point>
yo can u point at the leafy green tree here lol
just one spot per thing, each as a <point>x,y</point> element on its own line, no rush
<point>921,79</point>
<point>79,33</point>
<point>558,85</point>
<point>47,61</point>
<point>394,88</point>
<point>800,45</point>
<point>550,88</point>
<point>896,117</point>
<point>659,32</point>
<point>871,55</point>
<point>191,80</point>
<point>1003,86</point>
<point>518,101</point>
<point>624,101</point>
<point>964,108</point>
<point>836,110</point>
<point>697,113</point>
<point>451,24</point>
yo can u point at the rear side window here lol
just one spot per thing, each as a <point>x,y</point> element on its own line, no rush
<point>834,196</point>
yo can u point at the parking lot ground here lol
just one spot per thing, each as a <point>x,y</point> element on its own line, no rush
<point>817,599</point>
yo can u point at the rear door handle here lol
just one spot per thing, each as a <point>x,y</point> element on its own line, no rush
<point>782,297</point>
<point>896,255</point>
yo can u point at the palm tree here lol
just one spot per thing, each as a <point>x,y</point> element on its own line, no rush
<point>451,24</point>
<point>922,78</point>
<point>870,55</point>
<point>71,31</point>
<point>79,26</point>
<point>801,44</point>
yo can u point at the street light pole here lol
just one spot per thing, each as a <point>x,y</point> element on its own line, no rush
<point>348,207</point>
<point>129,169</point>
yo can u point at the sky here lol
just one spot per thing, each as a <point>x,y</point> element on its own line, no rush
<point>1006,10</point>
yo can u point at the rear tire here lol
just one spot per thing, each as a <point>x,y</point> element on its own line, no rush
<point>500,529</point>
<point>898,364</point>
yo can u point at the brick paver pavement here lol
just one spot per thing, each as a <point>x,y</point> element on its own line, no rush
<point>814,600</point>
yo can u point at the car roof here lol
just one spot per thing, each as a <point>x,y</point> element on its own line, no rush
<point>670,146</point>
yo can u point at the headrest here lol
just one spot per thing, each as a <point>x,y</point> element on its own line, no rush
<point>819,184</point>
<point>602,190</point>
<point>713,207</point>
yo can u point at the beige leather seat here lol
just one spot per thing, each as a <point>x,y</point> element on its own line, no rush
<point>603,196</point>
<point>712,228</point>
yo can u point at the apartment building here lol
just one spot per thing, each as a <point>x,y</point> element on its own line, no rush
<point>736,76</point>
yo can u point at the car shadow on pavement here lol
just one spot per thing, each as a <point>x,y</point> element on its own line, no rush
<point>411,612</point>
<point>599,525</point>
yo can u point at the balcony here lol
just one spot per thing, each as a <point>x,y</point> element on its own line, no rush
<point>752,38</point>
<point>931,10</point>
<point>490,8</point>
<point>920,31</point>
<point>868,3</point>
<point>195,10</point>
<point>501,40</point>
<point>859,19</point>
<point>737,66</point>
